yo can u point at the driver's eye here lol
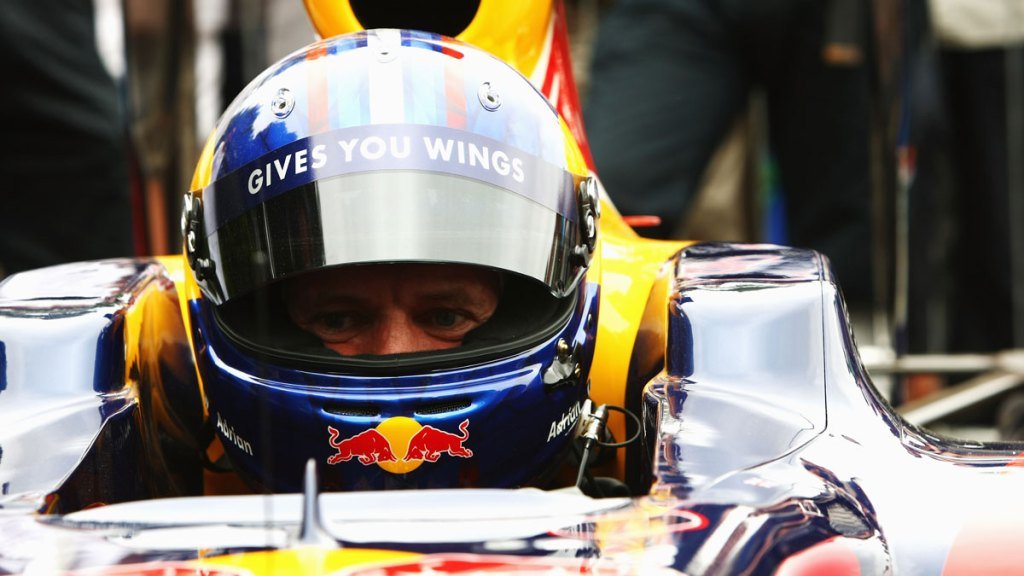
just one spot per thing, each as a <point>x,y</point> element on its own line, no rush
<point>336,320</point>
<point>445,318</point>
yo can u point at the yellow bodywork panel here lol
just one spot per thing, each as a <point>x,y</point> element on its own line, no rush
<point>304,560</point>
<point>628,270</point>
<point>187,290</point>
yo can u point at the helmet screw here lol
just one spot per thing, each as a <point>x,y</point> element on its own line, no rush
<point>283,103</point>
<point>386,54</point>
<point>489,97</point>
<point>385,44</point>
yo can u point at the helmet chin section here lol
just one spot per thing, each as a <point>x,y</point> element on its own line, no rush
<point>493,424</point>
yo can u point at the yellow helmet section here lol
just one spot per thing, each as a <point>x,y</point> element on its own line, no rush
<point>188,288</point>
<point>512,31</point>
<point>204,166</point>
<point>177,266</point>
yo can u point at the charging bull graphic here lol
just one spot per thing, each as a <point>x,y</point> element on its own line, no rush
<point>400,445</point>
<point>429,443</point>
<point>368,446</point>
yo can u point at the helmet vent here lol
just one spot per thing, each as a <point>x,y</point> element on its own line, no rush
<point>443,407</point>
<point>363,411</point>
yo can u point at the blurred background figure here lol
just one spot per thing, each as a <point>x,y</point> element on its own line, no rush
<point>187,60</point>
<point>64,182</point>
<point>966,209</point>
<point>971,181</point>
<point>671,78</point>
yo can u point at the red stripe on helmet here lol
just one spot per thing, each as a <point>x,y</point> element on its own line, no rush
<point>319,120</point>
<point>455,96</point>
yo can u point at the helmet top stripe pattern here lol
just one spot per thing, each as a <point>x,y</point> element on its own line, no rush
<point>361,90</point>
<point>319,116</point>
<point>455,95</point>
<point>387,85</point>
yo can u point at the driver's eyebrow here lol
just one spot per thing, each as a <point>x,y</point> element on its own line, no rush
<point>455,295</point>
<point>337,297</point>
<point>307,308</point>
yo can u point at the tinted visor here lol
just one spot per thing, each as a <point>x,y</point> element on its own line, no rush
<point>395,216</point>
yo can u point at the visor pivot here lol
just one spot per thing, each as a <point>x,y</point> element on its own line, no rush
<point>489,97</point>
<point>192,231</point>
<point>283,103</point>
<point>589,213</point>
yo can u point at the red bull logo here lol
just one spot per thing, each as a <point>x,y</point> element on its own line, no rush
<point>368,446</point>
<point>400,445</point>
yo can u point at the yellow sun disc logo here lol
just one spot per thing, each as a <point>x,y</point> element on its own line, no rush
<point>399,431</point>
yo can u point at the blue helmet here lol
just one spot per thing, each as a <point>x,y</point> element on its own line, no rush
<point>408,150</point>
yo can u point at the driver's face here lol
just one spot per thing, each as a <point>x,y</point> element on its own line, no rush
<point>392,309</point>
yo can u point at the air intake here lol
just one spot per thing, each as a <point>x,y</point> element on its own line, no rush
<point>443,407</point>
<point>357,411</point>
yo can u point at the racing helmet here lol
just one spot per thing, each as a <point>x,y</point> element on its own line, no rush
<point>397,149</point>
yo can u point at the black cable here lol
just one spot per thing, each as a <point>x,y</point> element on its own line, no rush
<point>633,438</point>
<point>594,429</point>
<point>583,464</point>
